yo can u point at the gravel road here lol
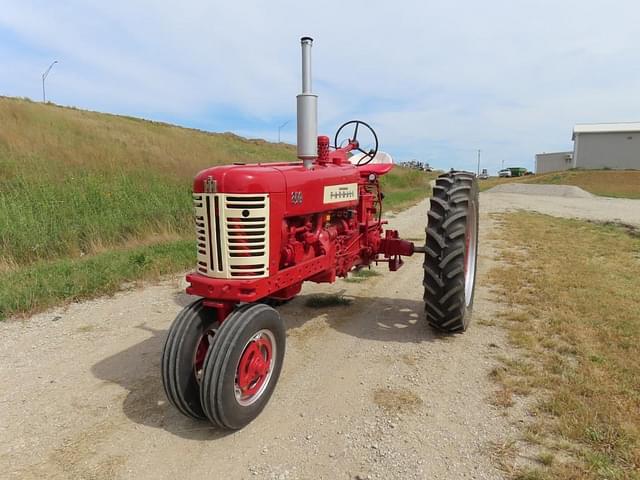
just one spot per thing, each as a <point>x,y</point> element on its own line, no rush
<point>564,201</point>
<point>367,390</point>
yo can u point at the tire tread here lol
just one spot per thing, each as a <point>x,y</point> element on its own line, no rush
<point>454,193</point>
<point>171,355</point>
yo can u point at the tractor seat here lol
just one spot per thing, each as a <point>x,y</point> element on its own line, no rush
<point>381,163</point>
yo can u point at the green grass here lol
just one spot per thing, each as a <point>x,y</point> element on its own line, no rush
<point>328,300</point>
<point>534,474</point>
<point>361,275</point>
<point>89,211</point>
<point>74,182</point>
<point>405,187</point>
<point>572,312</point>
<point>546,458</point>
<point>44,284</point>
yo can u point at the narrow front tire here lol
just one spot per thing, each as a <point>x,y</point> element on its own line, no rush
<point>242,366</point>
<point>185,348</point>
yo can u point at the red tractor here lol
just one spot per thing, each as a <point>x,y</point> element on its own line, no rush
<point>264,229</point>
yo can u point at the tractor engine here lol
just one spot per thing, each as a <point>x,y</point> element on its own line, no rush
<point>285,223</point>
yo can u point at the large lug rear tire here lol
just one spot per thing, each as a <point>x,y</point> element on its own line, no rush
<point>242,366</point>
<point>183,355</point>
<point>451,251</point>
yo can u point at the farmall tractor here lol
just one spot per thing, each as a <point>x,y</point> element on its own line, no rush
<point>262,230</point>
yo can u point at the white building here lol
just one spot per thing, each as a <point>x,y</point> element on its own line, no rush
<point>597,146</point>
<point>606,145</point>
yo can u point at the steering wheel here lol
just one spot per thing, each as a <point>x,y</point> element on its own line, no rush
<point>367,155</point>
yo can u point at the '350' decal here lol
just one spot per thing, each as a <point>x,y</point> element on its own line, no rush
<point>296,198</point>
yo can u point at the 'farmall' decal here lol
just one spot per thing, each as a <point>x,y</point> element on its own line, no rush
<point>341,193</point>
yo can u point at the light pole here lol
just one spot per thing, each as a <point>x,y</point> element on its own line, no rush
<point>478,173</point>
<point>44,77</point>
<point>281,127</point>
<point>502,164</point>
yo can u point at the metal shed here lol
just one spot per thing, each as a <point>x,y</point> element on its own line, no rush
<point>553,162</point>
<point>606,145</point>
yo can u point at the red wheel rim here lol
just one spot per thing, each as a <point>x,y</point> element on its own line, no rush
<point>255,367</point>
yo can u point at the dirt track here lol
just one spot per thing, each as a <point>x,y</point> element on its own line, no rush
<point>367,390</point>
<point>563,203</point>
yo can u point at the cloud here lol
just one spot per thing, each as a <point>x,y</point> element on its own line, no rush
<point>438,80</point>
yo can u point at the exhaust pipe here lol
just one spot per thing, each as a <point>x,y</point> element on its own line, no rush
<point>307,111</point>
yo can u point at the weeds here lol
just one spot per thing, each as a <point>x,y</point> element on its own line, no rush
<point>573,314</point>
<point>546,458</point>
<point>44,284</point>
<point>361,275</point>
<point>396,400</point>
<point>532,474</point>
<point>73,182</point>
<point>328,300</point>
<point>404,187</point>
<point>54,220</point>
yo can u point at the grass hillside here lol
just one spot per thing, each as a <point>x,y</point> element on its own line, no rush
<point>91,200</point>
<point>606,183</point>
<point>404,187</point>
<point>75,182</point>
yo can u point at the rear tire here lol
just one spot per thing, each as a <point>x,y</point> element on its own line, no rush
<point>451,251</point>
<point>243,365</point>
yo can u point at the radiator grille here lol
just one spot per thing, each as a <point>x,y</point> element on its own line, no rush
<point>233,234</point>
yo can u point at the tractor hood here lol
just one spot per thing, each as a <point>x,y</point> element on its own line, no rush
<point>275,178</point>
<point>259,178</point>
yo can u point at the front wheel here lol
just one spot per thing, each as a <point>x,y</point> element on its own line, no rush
<point>183,355</point>
<point>242,366</point>
<point>451,251</point>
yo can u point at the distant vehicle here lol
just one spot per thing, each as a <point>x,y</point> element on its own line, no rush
<point>484,175</point>
<point>517,171</point>
<point>417,165</point>
<point>505,172</point>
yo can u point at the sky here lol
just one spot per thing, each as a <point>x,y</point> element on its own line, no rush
<point>437,80</point>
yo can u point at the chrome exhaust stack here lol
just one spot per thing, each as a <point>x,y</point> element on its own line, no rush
<point>307,111</point>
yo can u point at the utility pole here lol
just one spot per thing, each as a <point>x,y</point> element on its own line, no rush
<point>502,164</point>
<point>478,173</point>
<point>44,77</point>
<point>281,127</point>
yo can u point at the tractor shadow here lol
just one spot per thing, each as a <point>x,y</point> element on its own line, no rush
<point>137,368</point>
<point>379,319</point>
